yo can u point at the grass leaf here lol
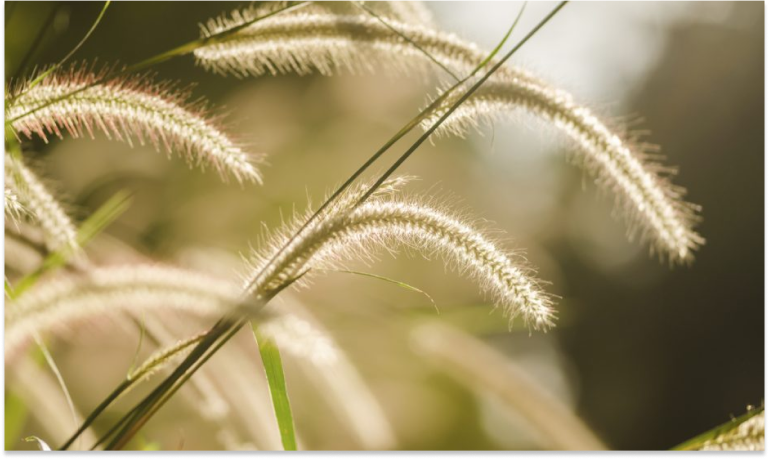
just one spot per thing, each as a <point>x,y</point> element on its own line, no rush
<point>725,430</point>
<point>273,368</point>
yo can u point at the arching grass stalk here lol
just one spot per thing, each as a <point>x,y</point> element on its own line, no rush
<point>157,59</point>
<point>227,328</point>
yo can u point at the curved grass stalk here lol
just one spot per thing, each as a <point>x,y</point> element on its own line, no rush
<point>53,68</point>
<point>651,202</point>
<point>485,370</point>
<point>58,303</point>
<point>59,378</point>
<point>30,192</point>
<point>355,233</point>
<point>130,109</point>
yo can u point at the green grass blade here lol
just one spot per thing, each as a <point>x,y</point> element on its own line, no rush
<point>725,429</point>
<point>273,368</point>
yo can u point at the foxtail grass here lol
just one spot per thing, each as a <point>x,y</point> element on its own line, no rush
<point>387,222</point>
<point>651,203</point>
<point>130,109</point>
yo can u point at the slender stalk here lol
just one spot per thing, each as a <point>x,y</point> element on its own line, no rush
<point>74,50</point>
<point>38,40</point>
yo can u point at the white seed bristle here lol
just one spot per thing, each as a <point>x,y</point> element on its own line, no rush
<point>387,222</point>
<point>312,40</point>
<point>651,202</point>
<point>128,109</point>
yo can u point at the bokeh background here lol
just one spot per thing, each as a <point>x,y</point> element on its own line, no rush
<point>647,355</point>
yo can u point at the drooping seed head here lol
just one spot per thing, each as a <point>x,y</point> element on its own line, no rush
<point>128,109</point>
<point>314,39</point>
<point>386,222</point>
<point>651,202</point>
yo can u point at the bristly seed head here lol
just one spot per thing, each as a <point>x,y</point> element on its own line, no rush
<point>128,108</point>
<point>387,222</point>
<point>651,202</point>
<point>314,39</point>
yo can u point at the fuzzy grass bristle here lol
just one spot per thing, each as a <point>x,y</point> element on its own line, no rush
<point>389,222</point>
<point>650,201</point>
<point>311,40</point>
<point>129,109</point>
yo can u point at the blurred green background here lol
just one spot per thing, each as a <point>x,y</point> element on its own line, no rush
<point>647,355</point>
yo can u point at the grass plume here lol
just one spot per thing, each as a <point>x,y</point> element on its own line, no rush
<point>388,222</point>
<point>651,202</point>
<point>129,109</point>
<point>315,39</point>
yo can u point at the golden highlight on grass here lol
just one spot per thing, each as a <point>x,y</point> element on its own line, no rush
<point>386,222</point>
<point>651,202</point>
<point>129,109</point>
<point>30,197</point>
